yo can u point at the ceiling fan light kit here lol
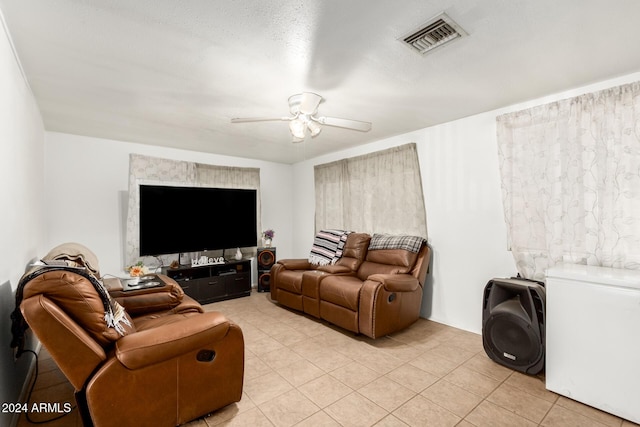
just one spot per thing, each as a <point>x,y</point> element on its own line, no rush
<point>304,108</point>
<point>297,128</point>
<point>313,127</point>
<point>301,123</point>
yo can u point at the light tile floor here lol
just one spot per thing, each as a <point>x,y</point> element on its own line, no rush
<point>304,372</point>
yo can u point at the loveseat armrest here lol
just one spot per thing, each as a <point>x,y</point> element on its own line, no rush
<point>296,264</point>
<point>171,340</point>
<point>396,282</point>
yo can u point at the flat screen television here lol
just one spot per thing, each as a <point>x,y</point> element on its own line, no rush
<point>190,219</point>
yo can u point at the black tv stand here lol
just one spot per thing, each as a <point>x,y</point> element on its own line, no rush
<point>217,282</point>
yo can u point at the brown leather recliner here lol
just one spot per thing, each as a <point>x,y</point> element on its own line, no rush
<point>164,363</point>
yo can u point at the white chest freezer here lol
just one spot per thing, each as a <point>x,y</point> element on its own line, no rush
<point>593,337</point>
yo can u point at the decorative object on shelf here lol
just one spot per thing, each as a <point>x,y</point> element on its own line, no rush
<point>238,254</point>
<point>204,260</point>
<point>267,237</point>
<point>138,269</point>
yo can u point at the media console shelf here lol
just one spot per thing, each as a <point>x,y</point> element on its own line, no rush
<point>210,283</point>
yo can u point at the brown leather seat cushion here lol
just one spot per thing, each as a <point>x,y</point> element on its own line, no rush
<point>187,308</point>
<point>291,280</point>
<point>341,290</point>
<point>147,322</point>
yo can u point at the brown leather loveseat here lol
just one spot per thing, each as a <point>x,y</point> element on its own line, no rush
<point>146,357</point>
<point>375,288</point>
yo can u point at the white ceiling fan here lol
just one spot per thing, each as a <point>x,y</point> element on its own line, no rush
<point>304,110</point>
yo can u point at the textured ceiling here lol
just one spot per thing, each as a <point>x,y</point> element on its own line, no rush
<point>173,73</point>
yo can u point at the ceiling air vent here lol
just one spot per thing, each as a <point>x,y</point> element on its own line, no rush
<point>437,32</point>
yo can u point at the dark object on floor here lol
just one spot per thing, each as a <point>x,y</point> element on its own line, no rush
<point>513,323</point>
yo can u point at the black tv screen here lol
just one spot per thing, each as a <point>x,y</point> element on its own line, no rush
<point>191,219</point>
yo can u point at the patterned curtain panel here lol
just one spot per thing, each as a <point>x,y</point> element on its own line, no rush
<point>379,192</point>
<point>571,181</point>
<point>153,170</point>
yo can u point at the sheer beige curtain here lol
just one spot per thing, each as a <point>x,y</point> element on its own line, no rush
<point>154,170</point>
<point>571,181</point>
<point>379,192</point>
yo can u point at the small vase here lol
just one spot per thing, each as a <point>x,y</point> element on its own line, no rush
<point>266,242</point>
<point>238,254</point>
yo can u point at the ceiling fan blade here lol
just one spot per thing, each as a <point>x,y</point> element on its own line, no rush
<point>259,119</point>
<point>345,123</point>
<point>309,102</point>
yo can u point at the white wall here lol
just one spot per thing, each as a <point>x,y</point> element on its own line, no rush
<point>465,221</point>
<point>21,206</point>
<point>87,187</point>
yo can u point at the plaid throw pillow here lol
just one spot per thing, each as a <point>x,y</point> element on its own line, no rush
<point>387,241</point>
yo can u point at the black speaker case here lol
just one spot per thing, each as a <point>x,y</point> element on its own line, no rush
<point>513,323</point>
